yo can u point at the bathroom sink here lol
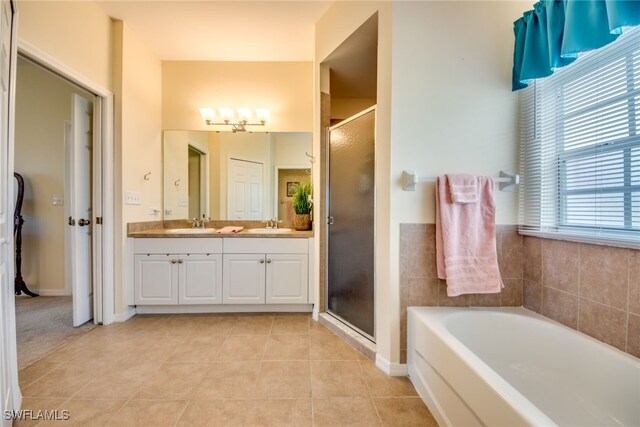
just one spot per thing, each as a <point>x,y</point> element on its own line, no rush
<point>268,230</point>
<point>191,230</point>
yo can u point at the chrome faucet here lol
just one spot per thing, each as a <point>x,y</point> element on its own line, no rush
<point>200,223</point>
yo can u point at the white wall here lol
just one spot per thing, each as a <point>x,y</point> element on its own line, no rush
<point>138,135</point>
<point>285,88</point>
<point>76,33</point>
<point>43,105</point>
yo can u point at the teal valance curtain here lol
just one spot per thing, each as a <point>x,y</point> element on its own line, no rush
<point>553,34</point>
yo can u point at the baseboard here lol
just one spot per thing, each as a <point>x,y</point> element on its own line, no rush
<point>392,369</point>
<point>52,292</point>
<point>126,315</point>
<point>223,308</point>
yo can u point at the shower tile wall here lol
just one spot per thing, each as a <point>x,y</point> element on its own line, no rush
<point>594,289</point>
<point>420,286</point>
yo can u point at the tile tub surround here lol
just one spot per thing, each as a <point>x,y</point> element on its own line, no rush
<point>190,370</point>
<point>420,286</point>
<point>591,288</point>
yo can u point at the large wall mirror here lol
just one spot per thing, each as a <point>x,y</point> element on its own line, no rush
<point>227,176</point>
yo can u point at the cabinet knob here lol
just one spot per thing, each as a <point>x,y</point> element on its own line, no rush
<point>261,261</point>
<point>268,261</point>
<point>173,261</point>
<point>180,261</point>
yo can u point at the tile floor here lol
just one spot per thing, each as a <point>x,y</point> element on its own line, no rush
<point>217,370</point>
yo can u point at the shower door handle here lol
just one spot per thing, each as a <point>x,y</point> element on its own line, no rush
<point>330,220</point>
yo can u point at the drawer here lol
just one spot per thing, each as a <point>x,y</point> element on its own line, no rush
<point>198,245</point>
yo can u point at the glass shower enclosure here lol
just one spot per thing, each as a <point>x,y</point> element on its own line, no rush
<point>351,219</point>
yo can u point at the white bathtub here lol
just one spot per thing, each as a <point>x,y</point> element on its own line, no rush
<point>512,367</point>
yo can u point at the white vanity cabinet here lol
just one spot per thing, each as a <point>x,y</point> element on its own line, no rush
<point>265,271</point>
<point>178,271</point>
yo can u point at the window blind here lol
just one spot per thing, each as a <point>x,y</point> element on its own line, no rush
<point>580,148</point>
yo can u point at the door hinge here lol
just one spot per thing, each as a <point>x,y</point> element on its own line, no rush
<point>99,220</point>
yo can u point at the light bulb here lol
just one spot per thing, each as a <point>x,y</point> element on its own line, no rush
<point>245,114</point>
<point>262,114</point>
<point>208,114</point>
<point>226,114</point>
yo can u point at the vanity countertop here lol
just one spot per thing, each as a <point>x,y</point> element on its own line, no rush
<point>254,233</point>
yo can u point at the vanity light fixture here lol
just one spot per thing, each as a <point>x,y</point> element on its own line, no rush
<point>238,119</point>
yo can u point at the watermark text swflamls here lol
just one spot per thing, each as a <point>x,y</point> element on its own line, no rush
<point>37,415</point>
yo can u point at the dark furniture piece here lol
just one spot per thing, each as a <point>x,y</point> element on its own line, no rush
<point>20,285</point>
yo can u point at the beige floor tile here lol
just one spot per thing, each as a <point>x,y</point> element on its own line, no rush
<point>35,371</point>
<point>146,413</point>
<point>280,413</point>
<point>122,381</point>
<point>243,347</point>
<point>199,348</point>
<point>316,328</point>
<point>87,413</point>
<point>287,347</point>
<point>152,349</point>
<point>381,384</point>
<point>330,347</point>
<point>404,411</point>
<point>290,325</point>
<point>217,325</point>
<point>286,380</point>
<point>32,405</point>
<point>258,324</point>
<point>64,381</point>
<point>337,379</point>
<point>228,380</point>
<point>181,326</point>
<point>348,412</point>
<point>173,381</point>
<point>215,413</point>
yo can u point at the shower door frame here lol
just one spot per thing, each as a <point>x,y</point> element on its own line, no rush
<point>327,190</point>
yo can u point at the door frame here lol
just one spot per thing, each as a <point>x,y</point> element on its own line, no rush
<point>327,208</point>
<point>276,181</point>
<point>103,206</point>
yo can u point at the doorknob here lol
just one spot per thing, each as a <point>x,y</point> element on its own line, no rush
<point>83,222</point>
<point>72,221</point>
<point>329,220</point>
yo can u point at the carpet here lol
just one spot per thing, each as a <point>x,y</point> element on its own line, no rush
<point>42,325</point>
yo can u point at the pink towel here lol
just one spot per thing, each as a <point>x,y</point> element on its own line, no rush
<point>230,229</point>
<point>463,187</point>
<point>466,241</point>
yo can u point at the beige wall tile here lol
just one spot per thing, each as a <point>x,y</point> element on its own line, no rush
<point>484,300</point>
<point>560,306</point>
<point>532,268</point>
<point>512,294</point>
<point>604,275</point>
<point>447,301</point>
<point>511,252</point>
<point>633,335</point>
<point>560,265</point>
<point>532,296</point>
<point>634,282</point>
<point>419,292</point>
<point>603,323</point>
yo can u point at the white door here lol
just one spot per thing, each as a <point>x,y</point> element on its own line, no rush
<point>81,221</point>
<point>8,361</point>
<point>244,189</point>
<point>287,279</point>
<point>200,279</point>
<point>243,278</point>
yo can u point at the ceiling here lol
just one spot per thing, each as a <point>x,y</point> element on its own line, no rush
<point>232,30</point>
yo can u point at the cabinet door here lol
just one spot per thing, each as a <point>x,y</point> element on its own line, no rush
<point>200,279</point>
<point>156,279</point>
<point>243,278</point>
<point>287,279</point>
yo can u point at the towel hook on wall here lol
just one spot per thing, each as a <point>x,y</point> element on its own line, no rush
<point>147,176</point>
